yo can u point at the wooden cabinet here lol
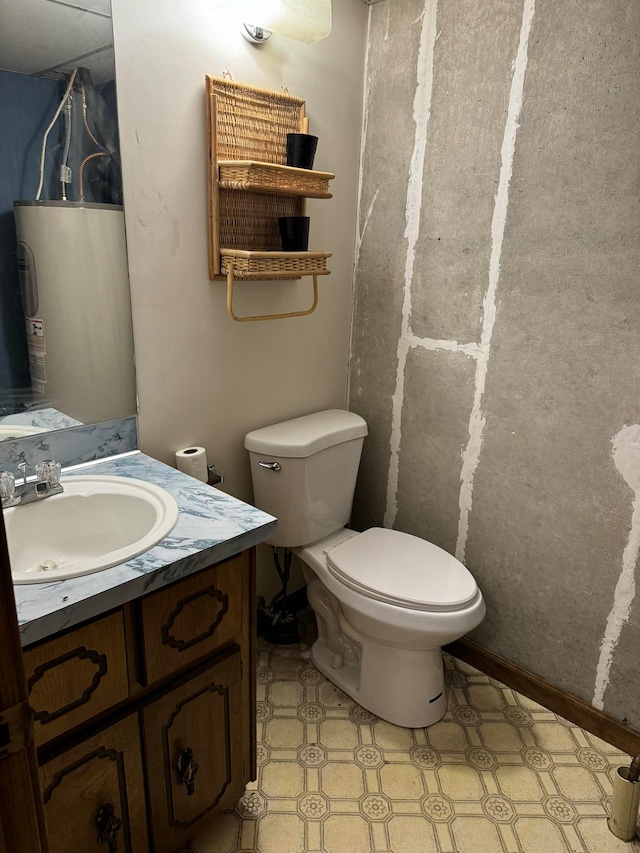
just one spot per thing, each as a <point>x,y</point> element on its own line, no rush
<point>193,740</point>
<point>76,676</point>
<point>101,779</point>
<point>183,623</point>
<point>193,643</point>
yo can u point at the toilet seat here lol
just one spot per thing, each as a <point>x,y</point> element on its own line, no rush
<point>403,570</point>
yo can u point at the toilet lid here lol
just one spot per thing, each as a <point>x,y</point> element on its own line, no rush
<point>402,569</point>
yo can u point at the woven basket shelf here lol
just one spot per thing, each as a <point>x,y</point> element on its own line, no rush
<point>277,265</point>
<point>251,188</point>
<point>273,178</point>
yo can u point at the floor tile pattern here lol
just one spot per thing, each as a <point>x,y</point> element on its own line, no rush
<point>497,773</point>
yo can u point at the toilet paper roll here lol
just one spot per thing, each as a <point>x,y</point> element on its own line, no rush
<point>193,461</point>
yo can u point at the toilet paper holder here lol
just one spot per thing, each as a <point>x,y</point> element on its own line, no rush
<point>215,477</point>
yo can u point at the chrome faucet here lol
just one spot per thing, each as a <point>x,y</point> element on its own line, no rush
<point>46,484</point>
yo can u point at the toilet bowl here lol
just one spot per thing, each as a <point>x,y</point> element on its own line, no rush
<point>379,638</point>
<point>385,601</point>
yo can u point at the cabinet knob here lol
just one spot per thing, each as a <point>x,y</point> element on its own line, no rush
<point>108,826</point>
<point>187,769</point>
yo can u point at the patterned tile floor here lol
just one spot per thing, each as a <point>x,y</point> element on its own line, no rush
<point>497,773</point>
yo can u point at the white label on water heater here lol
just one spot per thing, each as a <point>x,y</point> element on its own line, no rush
<point>35,335</point>
<point>37,355</point>
<point>38,367</point>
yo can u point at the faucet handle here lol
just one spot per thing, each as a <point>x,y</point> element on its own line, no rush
<point>7,485</point>
<point>49,470</point>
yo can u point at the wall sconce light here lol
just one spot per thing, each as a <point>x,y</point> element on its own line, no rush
<point>308,21</point>
<point>256,35</point>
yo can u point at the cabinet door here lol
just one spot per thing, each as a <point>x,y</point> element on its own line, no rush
<point>192,618</point>
<point>201,722</point>
<point>101,778</point>
<point>77,675</point>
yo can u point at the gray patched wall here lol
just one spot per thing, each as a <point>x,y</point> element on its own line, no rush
<point>497,322</point>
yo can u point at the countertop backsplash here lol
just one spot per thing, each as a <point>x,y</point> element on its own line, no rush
<point>71,446</point>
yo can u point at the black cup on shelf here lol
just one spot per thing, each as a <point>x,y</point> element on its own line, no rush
<point>294,233</point>
<point>301,149</point>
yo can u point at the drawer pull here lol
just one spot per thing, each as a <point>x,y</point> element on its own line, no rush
<point>187,769</point>
<point>108,826</point>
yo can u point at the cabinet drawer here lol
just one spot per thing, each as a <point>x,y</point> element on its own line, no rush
<point>191,618</point>
<point>104,770</point>
<point>73,677</point>
<point>202,721</point>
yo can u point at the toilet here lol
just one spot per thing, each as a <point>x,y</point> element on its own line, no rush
<point>385,601</point>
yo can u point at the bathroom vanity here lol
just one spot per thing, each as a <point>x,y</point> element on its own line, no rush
<point>141,677</point>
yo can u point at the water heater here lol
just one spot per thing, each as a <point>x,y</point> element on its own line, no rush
<point>75,292</point>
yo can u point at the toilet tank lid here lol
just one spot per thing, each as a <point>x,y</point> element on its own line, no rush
<point>301,437</point>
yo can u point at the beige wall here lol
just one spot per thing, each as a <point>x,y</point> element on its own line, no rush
<point>496,332</point>
<point>496,338</point>
<point>203,378</point>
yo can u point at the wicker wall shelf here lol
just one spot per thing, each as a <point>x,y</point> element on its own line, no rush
<point>265,266</point>
<point>250,188</point>
<point>273,178</point>
<point>270,265</point>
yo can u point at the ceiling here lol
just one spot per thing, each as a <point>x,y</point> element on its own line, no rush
<point>38,36</point>
<point>48,36</point>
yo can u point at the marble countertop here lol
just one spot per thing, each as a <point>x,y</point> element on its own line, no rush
<point>212,527</point>
<point>41,419</point>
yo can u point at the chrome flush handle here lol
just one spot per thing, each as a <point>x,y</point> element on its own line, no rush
<point>271,466</point>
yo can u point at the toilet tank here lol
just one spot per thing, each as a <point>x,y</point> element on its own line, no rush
<point>304,472</point>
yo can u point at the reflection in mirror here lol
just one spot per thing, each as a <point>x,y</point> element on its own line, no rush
<point>66,343</point>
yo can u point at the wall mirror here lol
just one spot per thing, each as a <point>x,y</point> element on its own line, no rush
<point>66,343</point>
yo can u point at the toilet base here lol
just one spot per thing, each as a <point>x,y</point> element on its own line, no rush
<point>403,687</point>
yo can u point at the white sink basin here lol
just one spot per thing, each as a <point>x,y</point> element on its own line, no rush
<point>96,523</point>
<point>19,431</point>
